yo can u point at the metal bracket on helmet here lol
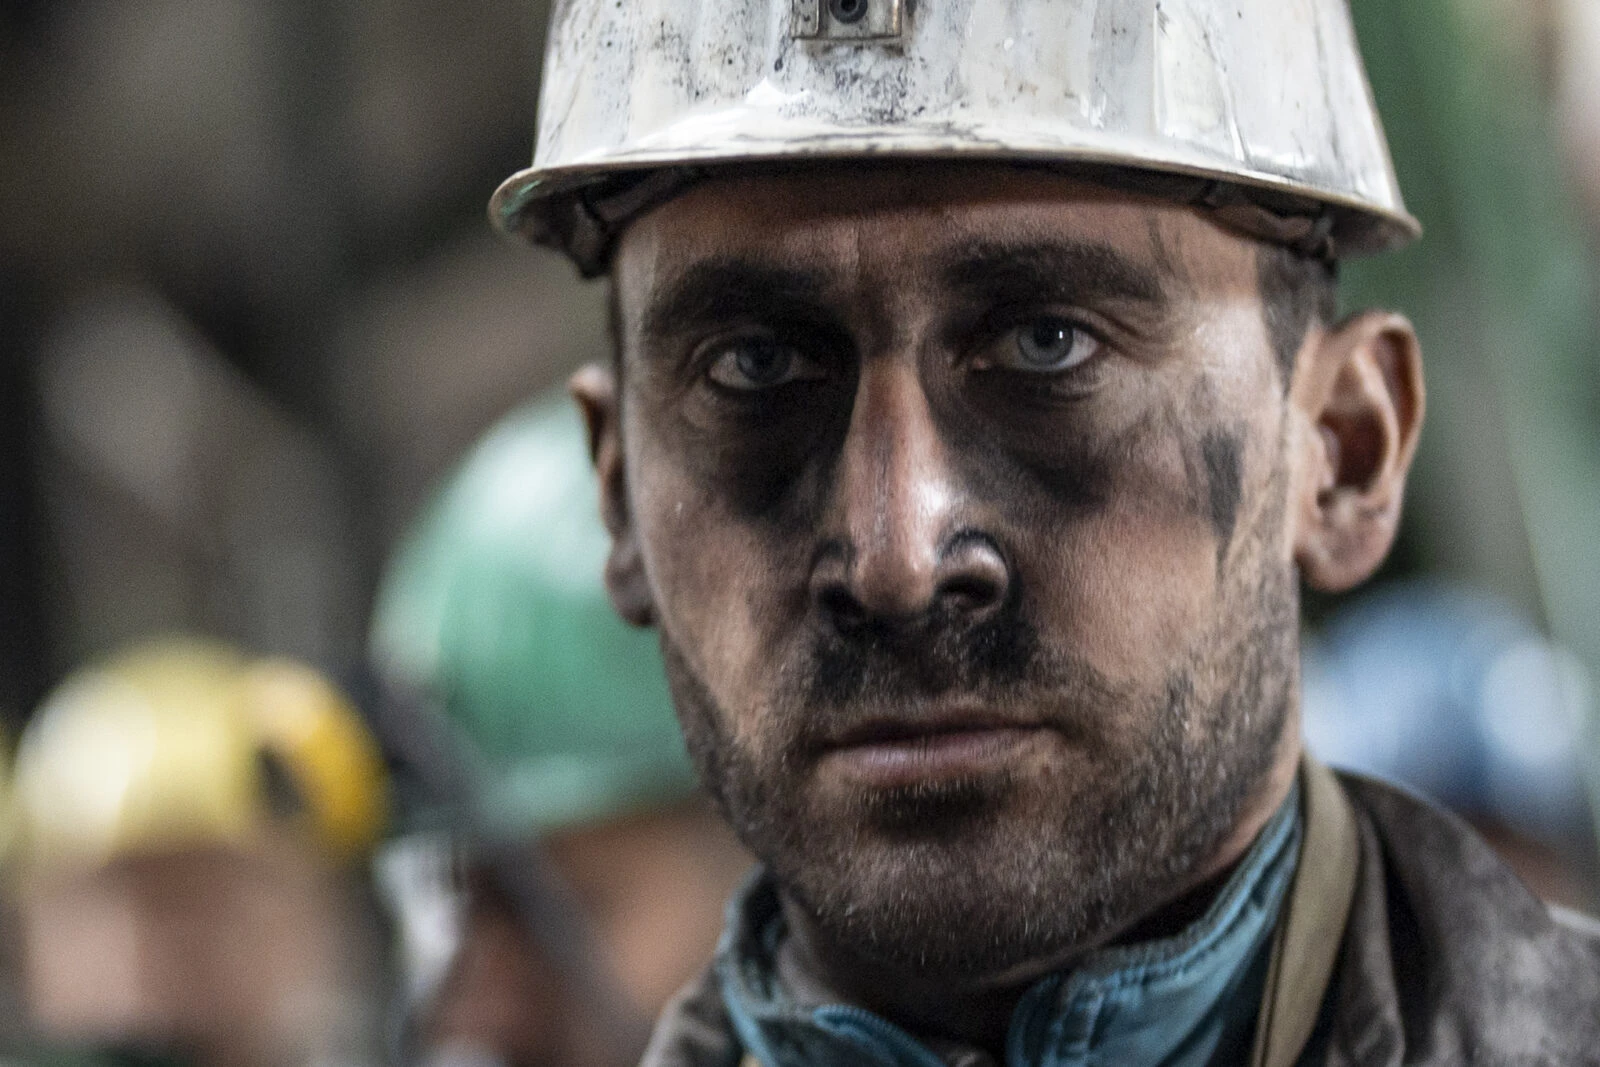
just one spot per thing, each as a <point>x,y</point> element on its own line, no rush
<point>848,20</point>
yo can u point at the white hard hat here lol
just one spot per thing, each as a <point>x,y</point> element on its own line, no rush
<point>1259,109</point>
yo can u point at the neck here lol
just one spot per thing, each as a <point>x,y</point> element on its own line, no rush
<point>976,1009</point>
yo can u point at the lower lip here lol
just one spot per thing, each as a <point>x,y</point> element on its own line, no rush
<point>932,757</point>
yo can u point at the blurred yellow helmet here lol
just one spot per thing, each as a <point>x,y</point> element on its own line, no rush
<point>185,743</point>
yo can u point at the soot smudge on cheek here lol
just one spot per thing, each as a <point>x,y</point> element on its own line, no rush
<point>773,468</point>
<point>1221,453</point>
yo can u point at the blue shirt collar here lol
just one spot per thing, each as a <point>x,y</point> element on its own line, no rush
<point>1183,1001</point>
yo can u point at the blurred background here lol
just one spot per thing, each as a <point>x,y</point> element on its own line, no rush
<point>268,380</point>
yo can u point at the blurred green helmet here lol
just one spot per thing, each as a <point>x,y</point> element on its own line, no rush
<point>494,608</point>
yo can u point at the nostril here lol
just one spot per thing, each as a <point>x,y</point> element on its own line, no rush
<point>851,589</point>
<point>970,593</point>
<point>973,574</point>
<point>840,606</point>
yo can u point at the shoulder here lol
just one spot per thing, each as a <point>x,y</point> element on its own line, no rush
<point>1448,957</point>
<point>1456,885</point>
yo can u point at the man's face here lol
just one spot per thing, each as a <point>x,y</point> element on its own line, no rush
<point>962,500</point>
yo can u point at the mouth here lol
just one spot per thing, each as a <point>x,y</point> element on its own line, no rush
<point>888,753</point>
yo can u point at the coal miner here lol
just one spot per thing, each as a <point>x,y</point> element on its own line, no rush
<point>980,403</point>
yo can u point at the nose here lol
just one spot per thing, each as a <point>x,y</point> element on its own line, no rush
<point>897,547</point>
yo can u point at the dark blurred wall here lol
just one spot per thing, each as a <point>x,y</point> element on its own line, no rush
<point>264,310</point>
<point>22,649</point>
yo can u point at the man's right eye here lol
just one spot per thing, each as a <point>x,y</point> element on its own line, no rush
<point>754,363</point>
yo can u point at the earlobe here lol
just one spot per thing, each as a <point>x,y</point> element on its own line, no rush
<point>594,389</point>
<point>1359,396</point>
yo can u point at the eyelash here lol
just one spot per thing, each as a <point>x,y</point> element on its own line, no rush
<point>998,322</point>
<point>810,341</point>
<point>971,339</point>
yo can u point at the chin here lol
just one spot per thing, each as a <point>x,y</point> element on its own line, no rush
<point>956,877</point>
<point>955,813</point>
<point>954,906</point>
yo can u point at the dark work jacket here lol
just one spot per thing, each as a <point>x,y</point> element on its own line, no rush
<point>1445,957</point>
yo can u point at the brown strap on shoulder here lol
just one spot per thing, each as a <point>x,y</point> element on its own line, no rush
<point>1314,917</point>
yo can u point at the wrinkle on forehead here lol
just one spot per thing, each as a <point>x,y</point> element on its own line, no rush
<point>871,224</point>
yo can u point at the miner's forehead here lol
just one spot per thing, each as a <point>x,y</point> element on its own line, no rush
<point>928,226</point>
<point>991,270</point>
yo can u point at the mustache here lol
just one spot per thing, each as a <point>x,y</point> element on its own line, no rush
<point>997,667</point>
<point>942,653</point>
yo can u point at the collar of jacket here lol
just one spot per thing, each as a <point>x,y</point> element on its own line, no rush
<point>1173,1002</point>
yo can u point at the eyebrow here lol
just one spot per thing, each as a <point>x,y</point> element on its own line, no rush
<point>1051,270</point>
<point>717,290</point>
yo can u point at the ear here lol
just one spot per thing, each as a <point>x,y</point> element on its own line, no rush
<point>595,390</point>
<point>1358,400</point>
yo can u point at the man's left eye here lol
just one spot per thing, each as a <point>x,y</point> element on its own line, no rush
<point>1045,345</point>
<point>756,363</point>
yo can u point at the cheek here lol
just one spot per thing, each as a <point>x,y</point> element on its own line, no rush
<point>1128,590</point>
<point>1136,583</point>
<point>723,586</point>
<point>1127,582</point>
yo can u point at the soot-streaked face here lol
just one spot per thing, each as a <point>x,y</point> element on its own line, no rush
<point>962,501</point>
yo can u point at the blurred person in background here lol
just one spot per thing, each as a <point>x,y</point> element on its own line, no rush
<point>190,830</point>
<point>587,872</point>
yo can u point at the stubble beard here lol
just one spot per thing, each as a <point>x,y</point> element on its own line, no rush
<point>975,877</point>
